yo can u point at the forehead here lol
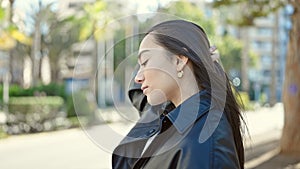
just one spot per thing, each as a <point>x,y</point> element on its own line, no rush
<point>149,43</point>
<point>149,47</point>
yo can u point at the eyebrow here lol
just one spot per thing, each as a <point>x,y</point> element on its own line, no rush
<point>143,51</point>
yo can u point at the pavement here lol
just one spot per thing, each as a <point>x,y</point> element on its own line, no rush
<point>90,148</point>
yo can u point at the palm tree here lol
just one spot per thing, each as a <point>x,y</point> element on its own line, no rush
<point>10,35</point>
<point>95,25</point>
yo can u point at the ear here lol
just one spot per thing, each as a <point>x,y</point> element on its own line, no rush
<point>181,61</point>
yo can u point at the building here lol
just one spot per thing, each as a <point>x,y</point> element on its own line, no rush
<point>91,64</point>
<point>268,38</point>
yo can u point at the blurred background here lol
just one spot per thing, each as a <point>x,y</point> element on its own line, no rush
<point>65,66</point>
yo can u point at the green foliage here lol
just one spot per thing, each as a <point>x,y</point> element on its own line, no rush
<point>2,134</point>
<point>2,13</point>
<point>10,34</point>
<point>81,108</point>
<point>263,98</point>
<point>21,100</point>
<point>35,104</point>
<point>34,114</point>
<point>79,105</point>
<point>243,100</point>
<point>230,50</point>
<point>94,21</point>
<point>51,89</point>
<point>119,47</point>
<point>229,47</point>
<point>70,109</point>
<point>36,100</point>
<point>58,40</point>
<point>246,11</point>
<point>253,59</point>
<point>191,12</point>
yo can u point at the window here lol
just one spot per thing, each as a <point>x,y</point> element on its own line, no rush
<point>262,45</point>
<point>75,4</point>
<point>267,73</point>
<point>264,31</point>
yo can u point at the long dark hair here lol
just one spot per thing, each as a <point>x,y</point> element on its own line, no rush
<point>188,39</point>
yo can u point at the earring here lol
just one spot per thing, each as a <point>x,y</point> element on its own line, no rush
<point>180,74</point>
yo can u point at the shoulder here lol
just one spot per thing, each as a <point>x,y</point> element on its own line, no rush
<point>218,150</point>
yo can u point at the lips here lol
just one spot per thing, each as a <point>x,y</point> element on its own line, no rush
<point>144,88</point>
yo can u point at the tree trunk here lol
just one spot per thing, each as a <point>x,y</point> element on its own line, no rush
<point>273,85</point>
<point>36,52</point>
<point>290,140</point>
<point>10,52</point>
<point>244,60</point>
<point>54,72</point>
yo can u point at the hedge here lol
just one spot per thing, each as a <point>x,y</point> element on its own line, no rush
<point>52,89</point>
<point>35,114</point>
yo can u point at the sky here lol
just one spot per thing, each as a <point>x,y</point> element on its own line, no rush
<point>26,4</point>
<point>142,6</point>
<point>25,8</point>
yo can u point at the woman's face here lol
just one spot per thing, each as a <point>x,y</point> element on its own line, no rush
<point>157,72</point>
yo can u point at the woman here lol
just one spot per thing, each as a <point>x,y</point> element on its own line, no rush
<point>191,118</point>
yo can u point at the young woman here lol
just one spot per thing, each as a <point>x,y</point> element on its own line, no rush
<point>191,118</point>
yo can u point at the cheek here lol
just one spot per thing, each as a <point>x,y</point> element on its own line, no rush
<point>161,64</point>
<point>156,97</point>
<point>162,81</point>
<point>161,90</point>
<point>160,77</point>
<point>162,71</point>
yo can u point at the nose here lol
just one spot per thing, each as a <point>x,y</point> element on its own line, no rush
<point>139,77</point>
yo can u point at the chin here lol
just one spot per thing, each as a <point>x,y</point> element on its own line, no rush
<point>156,97</point>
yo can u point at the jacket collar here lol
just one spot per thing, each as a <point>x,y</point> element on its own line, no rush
<point>184,115</point>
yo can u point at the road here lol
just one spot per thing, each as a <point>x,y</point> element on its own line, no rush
<point>78,149</point>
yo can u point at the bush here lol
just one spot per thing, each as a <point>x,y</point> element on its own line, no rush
<point>81,107</point>
<point>52,89</point>
<point>244,100</point>
<point>78,121</point>
<point>2,133</point>
<point>35,114</point>
<point>70,107</point>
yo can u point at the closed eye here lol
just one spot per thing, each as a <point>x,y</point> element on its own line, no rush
<point>144,63</point>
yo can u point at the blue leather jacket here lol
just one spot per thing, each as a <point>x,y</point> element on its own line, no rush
<point>178,144</point>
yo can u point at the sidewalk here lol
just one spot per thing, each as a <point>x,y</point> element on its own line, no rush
<point>75,149</point>
<point>68,149</point>
<point>264,125</point>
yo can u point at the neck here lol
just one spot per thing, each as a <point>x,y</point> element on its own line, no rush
<point>187,88</point>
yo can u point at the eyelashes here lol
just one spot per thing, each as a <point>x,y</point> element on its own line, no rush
<point>144,63</point>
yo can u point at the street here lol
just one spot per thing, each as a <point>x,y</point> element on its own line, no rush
<point>75,149</point>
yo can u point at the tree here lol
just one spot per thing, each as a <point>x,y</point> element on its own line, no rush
<point>95,24</point>
<point>229,47</point>
<point>190,11</point>
<point>230,50</point>
<point>53,38</point>
<point>11,37</point>
<point>94,20</point>
<point>39,18</point>
<point>290,139</point>
<point>62,34</point>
